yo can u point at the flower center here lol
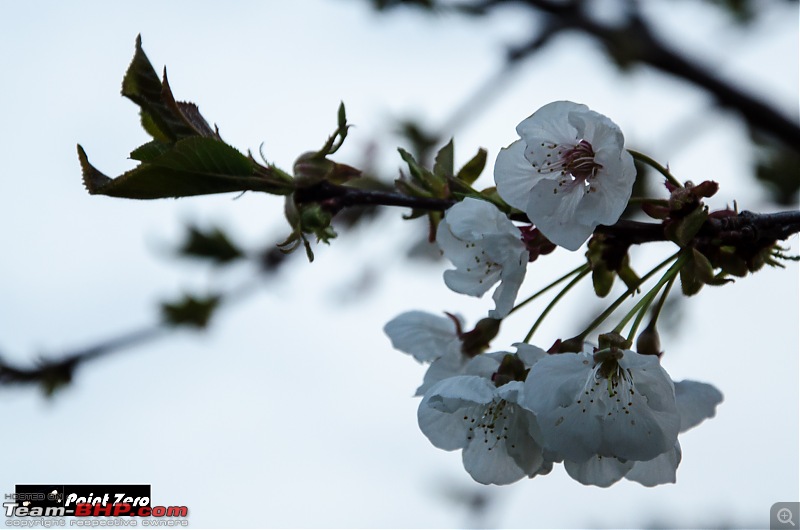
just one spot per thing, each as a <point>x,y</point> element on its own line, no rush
<point>609,388</point>
<point>489,423</point>
<point>576,161</point>
<point>580,161</point>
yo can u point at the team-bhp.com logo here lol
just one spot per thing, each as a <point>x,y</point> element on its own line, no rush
<point>132,500</point>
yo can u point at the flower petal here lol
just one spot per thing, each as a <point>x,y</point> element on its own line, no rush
<point>598,470</point>
<point>423,335</point>
<point>660,470</point>
<point>696,402</point>
<point>440,415</point>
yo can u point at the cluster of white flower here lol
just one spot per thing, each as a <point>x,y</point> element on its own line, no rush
<point>606,414</point>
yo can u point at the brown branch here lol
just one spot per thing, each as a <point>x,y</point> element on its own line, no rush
<point>635,42</point>
<point>743,227</point>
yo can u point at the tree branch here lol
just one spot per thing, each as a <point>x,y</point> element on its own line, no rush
<point>636,42</point>
<point>743,227</point>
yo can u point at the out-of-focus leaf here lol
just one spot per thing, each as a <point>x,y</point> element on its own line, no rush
<point>443,165</point>
<point>779,169</point>
<point>473,169</point>
<point>213,245</point>
<point>190,311</point>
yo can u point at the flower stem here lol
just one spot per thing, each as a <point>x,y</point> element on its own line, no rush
<point>643,158</point>
<point>543,290</point>
<point>641,307</point>
<point>613,307</point>
<point>656,310</point>
<point>555,300</point>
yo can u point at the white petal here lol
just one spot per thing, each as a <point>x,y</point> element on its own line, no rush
<point>598,470</point>
<point>660,470</point>
<point>441,411</point>
<point>473,282</point>
<point>448,365</point>
<point>551,389</point>
<point>696,402</point>
<point>551,122</point>
<point>514,175</point>
<point>507,453</point>
<point>529,353</point>
<point>505,295</point>
<point>423,335</point>
<point>491,465</point>
<point>553,210</point>
<point>472,219</point>
<point>648,423</point>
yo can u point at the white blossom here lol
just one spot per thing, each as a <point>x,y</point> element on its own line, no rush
<point>569,172</point>
<point>695,401</point>
<point>486,248</point>
<point>622,407</point>
<point>430,339</point>
<point>470,412</point>
<point>614,416</point>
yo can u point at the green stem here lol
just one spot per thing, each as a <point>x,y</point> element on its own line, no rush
<point>550,286</point>
<point>641,157</point>
<point>641,307</point>
<point>660,304</point>
<point>555,300</point>
<point>613,307</point>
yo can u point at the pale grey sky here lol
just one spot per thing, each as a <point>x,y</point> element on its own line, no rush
<point>225,422</point>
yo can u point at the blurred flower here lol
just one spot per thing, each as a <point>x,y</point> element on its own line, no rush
<point>569,173</point>
<point>486,248</point>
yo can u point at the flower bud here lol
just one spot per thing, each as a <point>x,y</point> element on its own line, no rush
<point>613,340</point>
<point>511,369</point>
<point>649,342</point>
<point>311,168</point>
<point>478,340</point>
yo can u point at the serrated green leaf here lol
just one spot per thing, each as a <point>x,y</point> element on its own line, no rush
<point>443,164</point>
<point>149,151</point>
<point>205,156</point>
<point>473,169</point>
<point>162,117</point>
<point>200,166</point>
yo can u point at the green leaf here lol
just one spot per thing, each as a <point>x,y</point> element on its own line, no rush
<point>473,169</point>
<point>443,165</point>
<point>696,272</point>
<point>162,117</point>
<point>149,151</point>
<point>425,178</point>
<point>190,311</point>
<point>195,166</point>
<point>683,230</point>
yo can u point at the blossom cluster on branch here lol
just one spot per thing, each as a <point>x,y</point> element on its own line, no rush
<point>606,412</point>
<point>599,402</point>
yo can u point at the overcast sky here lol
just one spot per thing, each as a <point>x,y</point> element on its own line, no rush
<point>293,410</point>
